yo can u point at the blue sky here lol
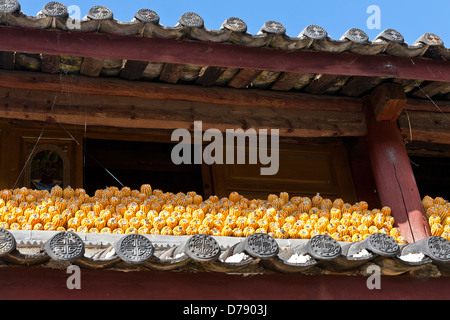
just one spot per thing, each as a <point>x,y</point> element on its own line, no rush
<point>411,18</point>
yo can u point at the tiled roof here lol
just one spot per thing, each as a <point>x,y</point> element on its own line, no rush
<point>258,253</point>
<point>191,26</point>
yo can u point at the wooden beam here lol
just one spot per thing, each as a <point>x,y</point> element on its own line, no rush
<point>431,89</point>
<point>428,105</point>
<point>357,86</point>
<point>285,81</point>
<point>132,113</point>
<point>133,69</point>
<point>431,127</point>
<point>171,72</point>
<point>91,67</point>
<point>322,82</point>
<point>149,90</point>
<point>50,63</point>
<point>388,101</point>
<point>209,75</point>
<point>394,177</point>
<point>244,78</point>
<point>7,60</point>
<point>207,53</point>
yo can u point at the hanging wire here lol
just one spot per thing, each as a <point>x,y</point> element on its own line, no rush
<point>434,103</point>
<point>66,88</point>
<point>29,156</point>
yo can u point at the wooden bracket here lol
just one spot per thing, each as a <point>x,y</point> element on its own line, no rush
<point>388,101</point>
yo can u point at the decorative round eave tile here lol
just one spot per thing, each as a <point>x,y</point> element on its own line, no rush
<point>314,32</point>
<point>323,247</point>
<point>7,242</point>
<point>202,247</point>
<point>356,35</point>
<point>100,13</point>
<point>134,248</point>
<point>191,19</point>
<point>383,244</point>
<point>431,39</point>
<point>438,248</point>
<point>235,24</point>
<point>273,27</point>
<point>391,35</point>
<point>65,246</point>
<point>55,9</point>
<point>261,245</point>
<point>147,15</point>
<point>9,6</point>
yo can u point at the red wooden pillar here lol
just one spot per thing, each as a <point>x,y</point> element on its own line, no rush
<point>392,170</point>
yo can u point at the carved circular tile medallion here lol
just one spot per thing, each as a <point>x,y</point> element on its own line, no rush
<point>391,35</point>
<point>273,27</point>
<point>383,244</point>
<point>65,246</point>
<point>235,24</point>
<point>9,6</point>
<point>356,35</point>
<point>314,32</point>
<point>100,13</point>
<point>134,248</point>
<point>147,15</point>
<point>439,248</point>
<point>324,247</point>
<point>431,39</point>
<point>191,19</point>
<point>55,9</point>
<point>202,247</point>
<point>261,245</point>
<point>7,242</point>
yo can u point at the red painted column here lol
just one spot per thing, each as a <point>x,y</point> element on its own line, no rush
<point>394,177</point>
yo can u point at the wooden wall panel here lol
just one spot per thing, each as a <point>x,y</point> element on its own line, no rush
<point>19,139</point>
<point>304,170</point>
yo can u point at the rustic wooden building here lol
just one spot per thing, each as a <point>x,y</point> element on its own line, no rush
<point>359,119</point>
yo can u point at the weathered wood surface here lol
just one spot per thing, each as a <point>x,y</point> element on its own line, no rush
<point>244,78</point>
<point>209,75</point>
<point>431,127</point>
<point>428,105</point>
<point>388,101</point>
<point>133,69</point>
<point>112,46</point>
<point>171,72</point>
<point>394,178</point>
<point>125,112</point>
<point>50,63</point>
<point>91,67</point>
<point>323,82</point>
<point>140,89</point>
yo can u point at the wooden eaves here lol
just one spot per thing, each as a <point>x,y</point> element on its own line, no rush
<point>137,104</point>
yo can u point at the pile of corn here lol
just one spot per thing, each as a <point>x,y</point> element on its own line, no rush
<point>437,211</point>
<point>147,211</point>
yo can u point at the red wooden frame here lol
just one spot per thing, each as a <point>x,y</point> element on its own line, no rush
<point>209,53</point>
<point>31,283</point>
<point>394,178</point>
